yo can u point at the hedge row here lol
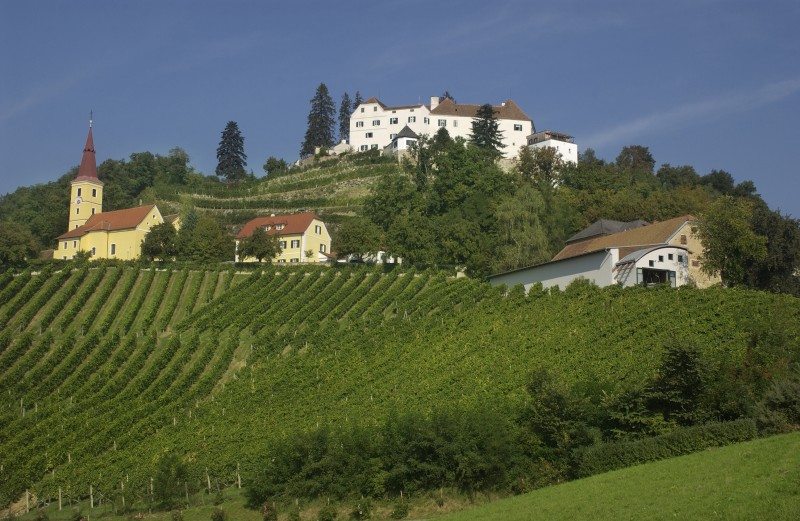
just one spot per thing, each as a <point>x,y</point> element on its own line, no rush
<point>615,455</point>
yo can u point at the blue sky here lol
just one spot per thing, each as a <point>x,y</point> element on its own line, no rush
<point>714,84</point>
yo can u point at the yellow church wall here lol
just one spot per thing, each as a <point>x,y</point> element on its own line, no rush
<point>115,244</point>
<point>90,195</point>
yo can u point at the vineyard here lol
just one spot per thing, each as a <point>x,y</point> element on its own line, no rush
<point>333,187</point>
<point>102,370</point>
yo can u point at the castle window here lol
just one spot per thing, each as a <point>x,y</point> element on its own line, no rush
<point>376,122</point>
<point>670,256</point>
<point>362,109</point>
<point>683,239</point>
<point>359,123</point>
<point>77,211</point>
<point>412,119</point>
<point>363,148</point>
<point>373,147</point>
<point>680,258</point>
<point>660,258</point>
<point>368,135</point>
<point>442,122</point>
<point>393,121</point>
<point>426,120</point>
<point>375,109</point>
<point>79,192</point>
<point>113,249</point>
<point>517,126</point>
<point>92,211</point>
<point>94,192</point>
<point>455,122</point>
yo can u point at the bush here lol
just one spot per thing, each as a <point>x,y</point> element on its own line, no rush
<point>218,515</point>
<point>41,516</point>
<point>400,510</point>
<point>177,515</point>
<point>614,455</point>
<point>219,498</point>
<point>294,514</point>
<point>362,509</point>
<point>327,513</point>
<point>269,512</point>
<point>779,409</point>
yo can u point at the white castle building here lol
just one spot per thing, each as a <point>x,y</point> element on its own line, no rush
<point>374,125</point>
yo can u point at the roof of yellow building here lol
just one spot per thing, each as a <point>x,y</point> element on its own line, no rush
<point>110,221</point>
<point>293,224</point>
<point>629,240</point>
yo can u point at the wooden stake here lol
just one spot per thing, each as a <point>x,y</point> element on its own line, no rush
<point>186,491</point>
<point>238,477</point>
<point>27,501</point>
<point>69,457</point>
<point>91,497</point>
<point>208,480</point>
<point>59,498</point>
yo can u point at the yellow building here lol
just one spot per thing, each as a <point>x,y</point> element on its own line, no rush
<point>303,237</point>
<point>105,235</point>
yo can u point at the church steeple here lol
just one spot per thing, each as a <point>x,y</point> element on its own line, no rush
<point>86,191</point>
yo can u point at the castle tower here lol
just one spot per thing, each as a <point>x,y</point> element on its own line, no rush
<point>86,192</point>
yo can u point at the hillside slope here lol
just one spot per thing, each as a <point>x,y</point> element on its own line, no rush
<point>754,480</point>
<point>103,369</point>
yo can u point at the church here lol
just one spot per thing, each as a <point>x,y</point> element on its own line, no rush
<point>105,235</point>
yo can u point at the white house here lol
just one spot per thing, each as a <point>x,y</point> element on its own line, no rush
<point>373,125</point>
<point>612,252</point>
<point>563,143</point>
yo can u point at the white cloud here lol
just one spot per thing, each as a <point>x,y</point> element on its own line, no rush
<point>693,112</point>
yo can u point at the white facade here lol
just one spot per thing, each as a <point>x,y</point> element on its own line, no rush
<point>563,143</point>
<point>659,264</point>
<point>373,124</point>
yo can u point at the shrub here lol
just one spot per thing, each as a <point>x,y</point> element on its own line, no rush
<point>218,515</point>
<point>614,455</point>
<point>177,515</point>
<point>41,516</point>
<point>219,498</point>
<point>269,512</point>
<point>294,514</point>
<point>327,513</point>
<point>362,509</point>
<point>400,510</point>
<point>779,409</point>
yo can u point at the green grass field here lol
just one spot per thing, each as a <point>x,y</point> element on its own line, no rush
<point>104,369</point>
<point>748,481</point>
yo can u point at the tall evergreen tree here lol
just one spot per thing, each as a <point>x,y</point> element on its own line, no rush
<point>485,131</point>
<point>446,95</point>
<point>345,109</point>
<point>231,158</point>
<point>358,100</point>
<point>321,122</point>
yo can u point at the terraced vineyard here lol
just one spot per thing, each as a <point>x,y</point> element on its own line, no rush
<point>333,187</point>
<point>104,369</point>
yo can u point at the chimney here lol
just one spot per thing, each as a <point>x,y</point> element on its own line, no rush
<point>434,102</point>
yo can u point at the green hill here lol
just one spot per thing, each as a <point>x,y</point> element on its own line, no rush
<point>753,480</point>
<point>103,369</point>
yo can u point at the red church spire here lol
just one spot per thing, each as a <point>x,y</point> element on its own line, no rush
<point>88,168</point>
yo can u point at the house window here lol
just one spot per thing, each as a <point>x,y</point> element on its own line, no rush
<point>670,256</point>
<point>368,135</point>
<point>442,122</point>
<point>651,263</point>
<point>94,192</point>
<point>79,192</point>
<point>317,229</point>
<point>683,239</point>
<point>393,121</point>
<point>294,260</point>
<point>283,245</point>
<point>426,120</point>
<point>373,147</point>
<point>680,258</point>
<point>359,123</point>
<point>113,249</point>
<point>295,243</point>
<point>93,252</point>
<point>376,123</point>
<point>412,119</point>
<point>362,109</point>
<point>74,244</point>
<point>283,261</point>
<point>410,142</point>
<point>363,148</point>
<point>322,248</point>
<point>65,245</point>
<point>517,126</point>
<point>660,258</point>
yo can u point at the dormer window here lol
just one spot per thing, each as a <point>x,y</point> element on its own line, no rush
<point>279,226</point>
<point>268,227</point>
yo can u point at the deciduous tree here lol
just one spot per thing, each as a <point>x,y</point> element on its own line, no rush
<point>160,242</point>
<point>260,245</point>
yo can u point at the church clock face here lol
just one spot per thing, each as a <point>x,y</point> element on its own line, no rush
<point>78,200</point>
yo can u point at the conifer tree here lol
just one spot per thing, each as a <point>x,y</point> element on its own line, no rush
<point>321,122</point>
<point>358,100</point>
<point>345,109</point>
<point>231,158</point>
<point>485,132</point>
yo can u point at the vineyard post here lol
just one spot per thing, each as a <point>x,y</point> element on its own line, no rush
<point>208,481</point>
<point>59,499</point>
<point>27,501</point>
<point>238,477</point>
<point>91,497</point>
<point>186,491</point>
<point>122,487</point>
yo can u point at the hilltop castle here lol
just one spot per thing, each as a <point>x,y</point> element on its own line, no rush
<point>105,235</point>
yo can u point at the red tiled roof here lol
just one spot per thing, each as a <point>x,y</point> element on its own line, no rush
<point>293,224</point>
<point>629,240</point>
<point>111,221</point>
<point>508,110</point>
<point>88,169</point>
